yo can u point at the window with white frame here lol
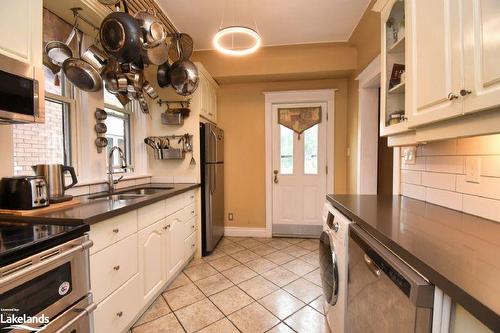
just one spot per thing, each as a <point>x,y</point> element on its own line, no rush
<point>118,127</point>
<point>48,142</point>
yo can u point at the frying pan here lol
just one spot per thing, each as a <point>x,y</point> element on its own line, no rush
<point>58,51</point>
<point>81,73</point>
<point>183,47</point>
<point>162,75</point>
<point>120,35</point>
<point>155,55</point>
<point>153,31</point>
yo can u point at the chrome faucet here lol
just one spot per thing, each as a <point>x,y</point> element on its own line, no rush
<point>111,181</point>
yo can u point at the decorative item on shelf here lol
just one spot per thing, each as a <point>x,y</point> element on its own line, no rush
<point>397,70</point>
<point>162,149</point>
<point>175,116</point>
<point>395,117</point>
<point>100,128</point>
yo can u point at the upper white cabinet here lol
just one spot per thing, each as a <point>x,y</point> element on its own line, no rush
<point>207,92</point>
<point>450,51</point>
<point>21,30</point>
<point>482,55</point>
<point>435,57</point>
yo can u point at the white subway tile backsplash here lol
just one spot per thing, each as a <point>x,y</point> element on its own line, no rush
<point>440,148</point>
<point>488,187</point>
<point>438,176</point>
<point>443,181</point>
<point>479,145</point>
<point>490,166</point>
<point>448,164</point>
<point>413,191</point>
<point>411,177</point>
<point>449,199</point>
<point>487,208</point>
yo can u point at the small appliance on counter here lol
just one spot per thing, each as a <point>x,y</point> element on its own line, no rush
<point>23,192</point>
<point>54,176</point>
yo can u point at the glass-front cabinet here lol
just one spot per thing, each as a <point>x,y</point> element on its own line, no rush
<point>394,85</point>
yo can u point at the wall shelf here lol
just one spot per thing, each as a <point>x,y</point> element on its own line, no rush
<point>398,89</point>
<point>398,47</point>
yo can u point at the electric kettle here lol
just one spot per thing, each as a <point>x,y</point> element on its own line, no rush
<point>54,177</point>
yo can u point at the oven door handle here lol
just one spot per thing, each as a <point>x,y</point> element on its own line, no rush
<point>18,274</point>
<point>84,312</point>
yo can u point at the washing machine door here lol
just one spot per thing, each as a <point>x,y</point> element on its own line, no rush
<point>328,268</point>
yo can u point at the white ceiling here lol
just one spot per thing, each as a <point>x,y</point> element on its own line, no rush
<point>279,22</point>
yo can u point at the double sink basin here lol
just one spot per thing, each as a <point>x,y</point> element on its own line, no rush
<point>135,193</point>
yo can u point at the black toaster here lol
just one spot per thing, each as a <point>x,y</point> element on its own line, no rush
<point>23,192</point>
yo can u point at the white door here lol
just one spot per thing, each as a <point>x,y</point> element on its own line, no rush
<point>435,56</point>
<point>481,90</point>
<point>299,175</point>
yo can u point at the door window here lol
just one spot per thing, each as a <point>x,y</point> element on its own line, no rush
<point>286,150</point>
<point>311,151</point>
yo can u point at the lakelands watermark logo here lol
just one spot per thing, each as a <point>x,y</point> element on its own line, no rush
<point>16,321</point>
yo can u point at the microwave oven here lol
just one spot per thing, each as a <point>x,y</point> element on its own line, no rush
<point>18,93</point>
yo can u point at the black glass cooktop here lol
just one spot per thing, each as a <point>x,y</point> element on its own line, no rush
<point>20,240</point>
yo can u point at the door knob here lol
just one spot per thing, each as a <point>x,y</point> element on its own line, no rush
<point>276,177</point>
<point>452,96</point>
<point>465,92</point>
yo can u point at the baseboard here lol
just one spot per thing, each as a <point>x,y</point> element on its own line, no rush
<point>244,232</point>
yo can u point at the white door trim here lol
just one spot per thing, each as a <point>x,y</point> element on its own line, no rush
<point>368,123</point>
<point>297,96</point>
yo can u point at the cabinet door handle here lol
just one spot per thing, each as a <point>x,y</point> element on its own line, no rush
<point>116,230</point>
<point>119,314</point>
<point>116,268</point>
<point>371,266</point>
<point>276,181</point>
<point>465,92</point>
<point>166,227</point>
<point>452,96</point>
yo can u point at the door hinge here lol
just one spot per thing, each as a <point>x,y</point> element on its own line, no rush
<point>327,117</point>
<point>326,169</point>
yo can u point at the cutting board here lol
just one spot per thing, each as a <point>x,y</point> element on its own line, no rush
<point>40,211</point>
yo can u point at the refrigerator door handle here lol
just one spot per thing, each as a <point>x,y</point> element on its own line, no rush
<point>215,144</point>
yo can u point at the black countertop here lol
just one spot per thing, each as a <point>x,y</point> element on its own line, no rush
<point>91,211</point>
<point>457,252</point>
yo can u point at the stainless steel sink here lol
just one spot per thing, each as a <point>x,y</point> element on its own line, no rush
<point>147,190</point>
<point>135,193</point>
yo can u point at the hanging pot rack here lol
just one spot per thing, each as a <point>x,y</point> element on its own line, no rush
<point>77,16</point>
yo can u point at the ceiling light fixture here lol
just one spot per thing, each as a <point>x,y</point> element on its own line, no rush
<point>232,30</point>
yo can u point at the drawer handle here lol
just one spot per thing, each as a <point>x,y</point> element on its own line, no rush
<point>116,230</point>
<point>166,227</point>
<point>192,227</point>
<point>192,212</point>
<point>116,268</point>
<point>119,314</point>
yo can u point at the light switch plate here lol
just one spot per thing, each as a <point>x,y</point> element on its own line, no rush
<point>410,154</point>
<point>473,169</point>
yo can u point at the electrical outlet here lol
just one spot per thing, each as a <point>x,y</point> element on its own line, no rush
<point>230,216</point>
<point>410,154</point>
<point>473,169</point>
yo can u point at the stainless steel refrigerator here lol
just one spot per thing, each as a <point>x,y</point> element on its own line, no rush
<point>212,185</point>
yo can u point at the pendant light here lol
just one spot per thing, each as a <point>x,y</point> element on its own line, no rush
<point>235,30</point>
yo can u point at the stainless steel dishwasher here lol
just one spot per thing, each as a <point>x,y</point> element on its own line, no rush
<point>384,293</point>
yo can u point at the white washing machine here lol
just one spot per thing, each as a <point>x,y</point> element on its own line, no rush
<point>333,259</point>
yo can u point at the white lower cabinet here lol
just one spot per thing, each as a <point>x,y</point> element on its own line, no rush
<point>113,267</point>
<point>152,259</point>
<point>116,312</point>
<point>136,257</point>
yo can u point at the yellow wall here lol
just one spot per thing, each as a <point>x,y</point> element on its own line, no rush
<point>241,114</point>
<point>366,40</point>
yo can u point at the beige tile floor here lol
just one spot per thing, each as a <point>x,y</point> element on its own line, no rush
<point>245,285</point>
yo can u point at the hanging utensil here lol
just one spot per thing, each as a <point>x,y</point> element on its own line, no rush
<point>183,76</point>
<point>95,58</point>
<point>81,73</point>
<point>183,47</point>
<point>148,89</point>
<point>153,31</point>
<point>142,103</point>
<point>156,55</point>
<point>100,114</point>
<point>120,35</point>
<point>58,51</point>
<point>149,142</point>
<point>122,98</point>
<point>100,128</point>
<point>101,142</point>
<point>162,75</point>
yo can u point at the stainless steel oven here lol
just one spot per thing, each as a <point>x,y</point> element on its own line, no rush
<point>384,293</point>
<point>54,283</point>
